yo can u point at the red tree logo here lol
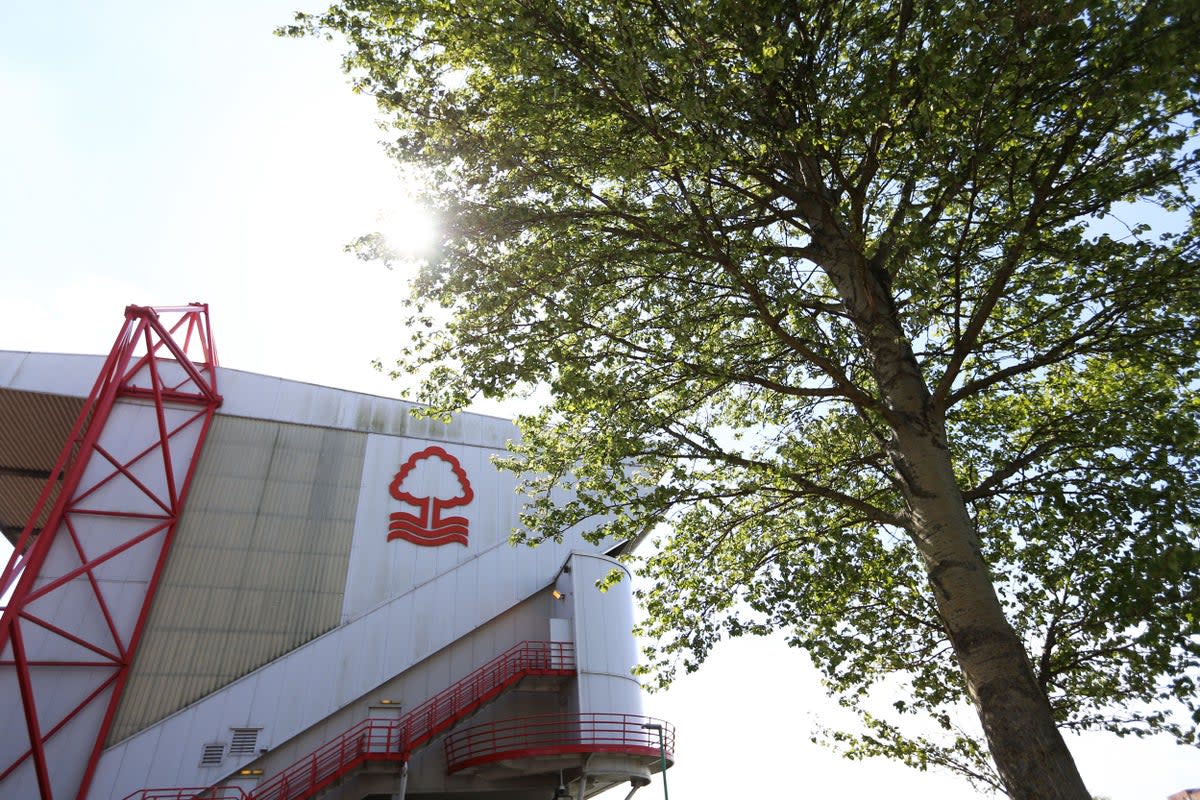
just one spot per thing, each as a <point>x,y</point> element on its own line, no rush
<point>431,467</point>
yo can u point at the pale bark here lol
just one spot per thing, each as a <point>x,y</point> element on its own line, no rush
<point>1029,752</point>
<point>1028,749</point>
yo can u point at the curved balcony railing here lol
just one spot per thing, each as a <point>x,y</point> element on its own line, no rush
<point>558,734</point>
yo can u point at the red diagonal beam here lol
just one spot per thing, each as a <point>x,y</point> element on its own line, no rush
<point>29,702</point>
<point>62,722</point>
<point>66,578</point>
<point>91,576</point>
<point>160,415</point>
<point>50,626</point>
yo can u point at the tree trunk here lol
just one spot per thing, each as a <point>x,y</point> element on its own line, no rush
<point>1029,752</point>
<point>1026,745</point>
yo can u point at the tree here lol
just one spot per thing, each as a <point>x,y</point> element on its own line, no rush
<point>839,292</point>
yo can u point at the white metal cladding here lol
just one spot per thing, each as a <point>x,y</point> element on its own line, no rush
<point>380,568</point>
<point>64,374</point>
<point>605,650</point>
<point>250,395</point>
<point>257,567</point>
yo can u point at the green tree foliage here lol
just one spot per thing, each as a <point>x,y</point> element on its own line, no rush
<point>838,296</point>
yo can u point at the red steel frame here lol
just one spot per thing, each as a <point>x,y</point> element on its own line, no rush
<point>164,360</point>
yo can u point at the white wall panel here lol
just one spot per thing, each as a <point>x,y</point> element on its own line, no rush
<point>177,759</point>
<point>381,568</point>
<point>266,698</point>
<point>352,672</point>
<point>397,633</point>
<point>604,645</point>
<point>235,711</point>
<point>469,588</point>
<point>73,608</point>
<point>10,362</point>
<point>61,558</point>
<point>64,748</point>
<point>24,779</point>
<point>52,373</point>
<point>264,397</point>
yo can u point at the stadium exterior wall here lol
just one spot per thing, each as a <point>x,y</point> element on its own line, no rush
<point>301,594</point>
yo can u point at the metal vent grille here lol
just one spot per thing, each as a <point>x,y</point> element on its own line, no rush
<point>211,754</point>
<point>245,741</point>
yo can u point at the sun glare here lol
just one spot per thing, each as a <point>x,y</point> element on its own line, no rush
<point>408,227</point>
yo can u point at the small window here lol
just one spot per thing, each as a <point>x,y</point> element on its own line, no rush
<point>245,741</point>
<point>211,754</point>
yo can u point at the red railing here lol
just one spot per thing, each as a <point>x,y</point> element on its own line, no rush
<point>557,734</point>
<point>441,711</point>
<point>190,793</point>
<point>371,739</point>
<point>395,739</point>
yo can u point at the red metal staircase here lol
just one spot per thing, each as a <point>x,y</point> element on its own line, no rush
<point>394,739</point>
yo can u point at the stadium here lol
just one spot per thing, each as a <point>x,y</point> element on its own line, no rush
<point>230,585</point>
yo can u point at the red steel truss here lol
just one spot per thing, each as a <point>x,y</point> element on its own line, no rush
<point>395,739</point>
<point>84,585</point>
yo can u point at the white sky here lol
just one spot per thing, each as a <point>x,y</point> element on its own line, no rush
<point>160,153</point>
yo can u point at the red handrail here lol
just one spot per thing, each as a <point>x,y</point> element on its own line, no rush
<point>450,705</point>
<point>558,734</point>
<point>190,793</point>
<point>395,739</point>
